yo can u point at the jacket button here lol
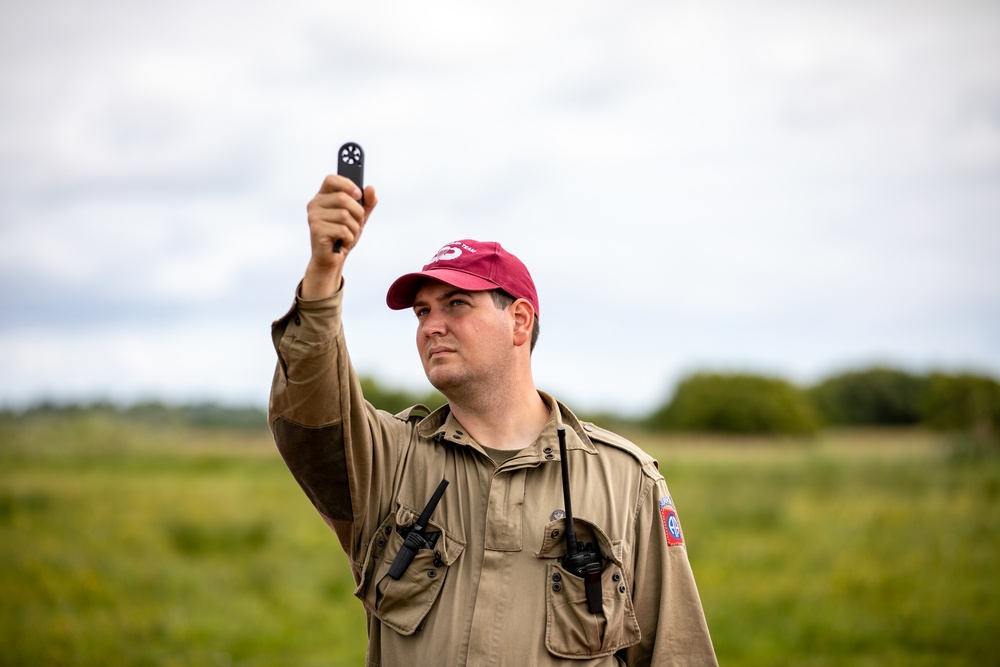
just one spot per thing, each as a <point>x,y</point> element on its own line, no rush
<point>547,450</point>
<point>433,573</point>
<point>380,542</point>
<point>616,577</point>
<point>549,457</point>
<point>621,589</point>
<point>557,587</point>
<point>555,534</point>
<point>556,577</point>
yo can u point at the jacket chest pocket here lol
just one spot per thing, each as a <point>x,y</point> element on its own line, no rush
<point>402,604</point>
<point>571,629</point>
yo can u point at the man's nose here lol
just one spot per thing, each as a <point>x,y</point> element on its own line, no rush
<point>433,324</point>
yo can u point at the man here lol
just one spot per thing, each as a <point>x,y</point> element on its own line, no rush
<point>490,586</point>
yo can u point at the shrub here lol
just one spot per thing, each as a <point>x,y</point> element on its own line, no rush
<point>396,400</point>
<point>877,396</point>
<point>736,403</point>
<point>962,402</point>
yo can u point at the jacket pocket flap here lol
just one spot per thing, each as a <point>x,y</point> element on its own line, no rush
<point>403,604</point>
<point>554,540</point>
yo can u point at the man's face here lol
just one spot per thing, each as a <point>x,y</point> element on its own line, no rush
<point>462,337</point>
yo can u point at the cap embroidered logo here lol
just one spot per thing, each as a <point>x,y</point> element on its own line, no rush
<point>445,253</point>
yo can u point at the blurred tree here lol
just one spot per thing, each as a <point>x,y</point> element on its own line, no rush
<point>397,400</point>
<point>876,396</point>
<point>736,403</point>
<point>962,402</point>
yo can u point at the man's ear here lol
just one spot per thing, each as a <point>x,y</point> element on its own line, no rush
<point>524,319</point>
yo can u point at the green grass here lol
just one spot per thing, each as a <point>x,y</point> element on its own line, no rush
<point>126,544</point>
<point>121,545</point>
<point>853,549</point>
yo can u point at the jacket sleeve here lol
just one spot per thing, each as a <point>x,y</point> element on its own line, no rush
<point>667,605</point>
<point>341,450</point>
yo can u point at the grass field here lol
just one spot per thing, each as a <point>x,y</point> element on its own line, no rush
<point>122,544</point>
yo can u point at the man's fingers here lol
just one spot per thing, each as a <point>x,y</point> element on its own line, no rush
<point>336,201</point>
<point>338,215</point>
<point>326,221</point>
<point>326,234</point>
<point>335,214</point>
<point>369,202</point>
<point>337,183</point>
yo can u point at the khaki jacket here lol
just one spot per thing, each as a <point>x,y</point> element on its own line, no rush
<point>493,591</point>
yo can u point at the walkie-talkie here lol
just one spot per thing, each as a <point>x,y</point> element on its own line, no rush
<point>351,163</point>
<point>415,538</point>
<point>582,560</point>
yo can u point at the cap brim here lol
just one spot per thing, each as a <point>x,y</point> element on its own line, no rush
<point>403,292</point>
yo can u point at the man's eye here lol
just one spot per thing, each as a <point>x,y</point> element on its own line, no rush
<point>459,302</point>
<point>420,312</point>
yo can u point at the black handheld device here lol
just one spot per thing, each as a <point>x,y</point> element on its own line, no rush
<point>416,537</point>
<point>351,163</point>
<point>581,560</point>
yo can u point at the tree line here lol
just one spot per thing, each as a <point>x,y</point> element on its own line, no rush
<point>744,403</point>
<point>737,403</point>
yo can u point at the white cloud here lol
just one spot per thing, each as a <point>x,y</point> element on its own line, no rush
<point>772,184</point>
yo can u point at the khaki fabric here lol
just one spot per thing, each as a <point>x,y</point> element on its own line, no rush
<point>493,591</point>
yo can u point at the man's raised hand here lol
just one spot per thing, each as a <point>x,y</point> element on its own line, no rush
<point>334,214</point>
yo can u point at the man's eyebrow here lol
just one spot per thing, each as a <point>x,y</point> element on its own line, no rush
<point>443,297</point>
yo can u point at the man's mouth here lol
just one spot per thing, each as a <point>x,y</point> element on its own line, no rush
<point>436,352</point>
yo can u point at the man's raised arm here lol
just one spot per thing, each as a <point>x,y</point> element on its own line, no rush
<point>316,412</point>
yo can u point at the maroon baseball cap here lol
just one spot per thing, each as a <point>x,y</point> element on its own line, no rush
<point>470,265</point>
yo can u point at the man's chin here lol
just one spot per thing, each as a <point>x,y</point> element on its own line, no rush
<point>444,381</point>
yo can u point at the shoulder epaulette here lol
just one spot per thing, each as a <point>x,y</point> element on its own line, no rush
<point>649,465</point>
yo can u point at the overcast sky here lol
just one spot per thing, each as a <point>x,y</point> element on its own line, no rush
<point>791,188</point>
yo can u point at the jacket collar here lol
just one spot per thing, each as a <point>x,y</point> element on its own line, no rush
<point>442,425</point>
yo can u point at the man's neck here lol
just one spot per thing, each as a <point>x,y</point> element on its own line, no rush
<point>512,422</point>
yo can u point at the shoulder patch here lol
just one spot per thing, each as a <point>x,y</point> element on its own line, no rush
<point>413,414</point>
<point>650,467</point>
<point>671,524</point>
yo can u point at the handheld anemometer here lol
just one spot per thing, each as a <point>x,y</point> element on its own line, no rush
<point>351,163</point>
